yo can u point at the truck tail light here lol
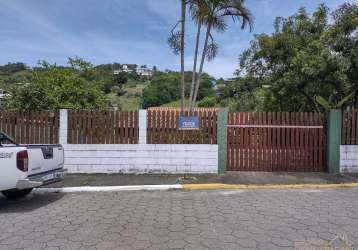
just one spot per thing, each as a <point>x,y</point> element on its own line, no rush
<point>22,161</point>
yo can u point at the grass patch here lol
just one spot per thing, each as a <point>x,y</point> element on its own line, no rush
<point>176,104</point>
<point>132,98</point>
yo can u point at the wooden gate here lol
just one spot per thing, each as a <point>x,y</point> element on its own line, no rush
<point>294,142</point>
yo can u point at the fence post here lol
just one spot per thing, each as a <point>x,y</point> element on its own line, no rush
<point>142,126</point>
<point>334,140</point>
<point>222,139</point>
<point>63,130</point>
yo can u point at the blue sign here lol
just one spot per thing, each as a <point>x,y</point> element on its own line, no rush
<point>189,122</point>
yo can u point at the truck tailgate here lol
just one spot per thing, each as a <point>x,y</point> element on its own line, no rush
<point>44,158</point>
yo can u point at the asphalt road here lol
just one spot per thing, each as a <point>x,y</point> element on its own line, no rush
<point>228,219</point>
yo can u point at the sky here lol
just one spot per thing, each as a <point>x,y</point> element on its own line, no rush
<point>125,31</point>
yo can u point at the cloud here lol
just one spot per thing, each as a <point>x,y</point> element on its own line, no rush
<point>219,67</point>
<point>125,31</point>
<point>222,67</point>
<point>167,10</point>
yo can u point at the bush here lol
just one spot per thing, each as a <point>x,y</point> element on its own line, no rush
<point>54,87</point>
<point>164,88</point>
<point>207,102</point>
<point>118,91</point>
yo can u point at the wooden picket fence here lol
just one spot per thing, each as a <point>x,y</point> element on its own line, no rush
<point>30,127</point>
<point>276,142</point>
<point>350,127</point>
<point>102,127</point>
<point>162,127</point>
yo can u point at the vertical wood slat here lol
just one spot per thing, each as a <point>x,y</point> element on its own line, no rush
<point>297,150</point>
<point>30,127</point>
<point>246,145</point>
<point>98,127</point>
<point>319,138</point>
<point>344,127</point>
<point>229,141</point>
<point>305,155</point>
<point>276,148</point>
<point>316,136</point>
<point>149,127</point>
<point>236,139</point>
<point>163,127</point>
<point>350,127</point>
<point>280,164</point>
<point>116,128</point>
<point>353,127</point>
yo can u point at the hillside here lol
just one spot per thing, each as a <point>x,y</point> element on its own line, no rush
<point>82,85</point>
<point>131,98</point>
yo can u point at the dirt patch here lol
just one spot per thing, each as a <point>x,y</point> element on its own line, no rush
<point>75,180</point>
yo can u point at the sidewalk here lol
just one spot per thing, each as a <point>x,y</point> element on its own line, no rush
<point>255,178</point>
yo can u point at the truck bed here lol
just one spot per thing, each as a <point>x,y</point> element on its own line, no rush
<point>45,165</point>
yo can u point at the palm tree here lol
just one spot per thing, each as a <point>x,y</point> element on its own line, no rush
<point>213,14</point>
<point>183,12</point>
<point>194,5</point>
<point>176,41</point>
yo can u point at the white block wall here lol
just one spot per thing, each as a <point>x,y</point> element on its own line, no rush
<point>349,158</point>
<point>141,158</point>
<point>137,158</point>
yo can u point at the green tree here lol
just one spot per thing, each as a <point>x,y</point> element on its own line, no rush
<point>12,68</point>
<point>120,78</point>
<point>342,38</point>
<point>208,101</point>
<point>164,88</point>
<point>54,87</point>
<point>14,73</point>
<point>306,56</point>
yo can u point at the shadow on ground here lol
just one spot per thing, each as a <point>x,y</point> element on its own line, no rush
<point>27,204</point>
<point>73,180</point>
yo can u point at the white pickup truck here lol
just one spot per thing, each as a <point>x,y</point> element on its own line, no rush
<point>24,167</point>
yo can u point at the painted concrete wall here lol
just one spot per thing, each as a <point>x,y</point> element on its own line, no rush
<point>145,158</point>
<point>349,159</point>
<point>137,158</point>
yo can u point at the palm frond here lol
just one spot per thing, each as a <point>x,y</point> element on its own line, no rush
<point>174,42</point>
<point>238,12</point>
<point>211,51</point>
<point>218,23</point>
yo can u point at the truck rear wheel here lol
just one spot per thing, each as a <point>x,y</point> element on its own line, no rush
<point>16,193</point>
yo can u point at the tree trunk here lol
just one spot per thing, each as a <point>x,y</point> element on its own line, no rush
<point>203,56</point>
<point>193,80</point>
<point>355,96</point>
<point>183,12</point>
<point>310,100</point>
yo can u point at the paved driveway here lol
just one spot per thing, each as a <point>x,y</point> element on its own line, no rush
<point>230,219</point>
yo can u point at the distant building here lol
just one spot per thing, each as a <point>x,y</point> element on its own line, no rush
<point>126,69</point>
<point>3,96</point>
<point>142,71</point>
<point>123,69</point>
<point>145,72</point>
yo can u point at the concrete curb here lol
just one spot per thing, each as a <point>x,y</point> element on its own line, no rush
<point>208,186</point>
<point>211,186</point>
<point>107,188</point>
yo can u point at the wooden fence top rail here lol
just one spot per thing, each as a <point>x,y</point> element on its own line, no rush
<point>185,110</point>
<point>271,126</point>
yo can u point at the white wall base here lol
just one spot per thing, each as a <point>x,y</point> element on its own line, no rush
<point>141,158</point>
<point>349,159</point>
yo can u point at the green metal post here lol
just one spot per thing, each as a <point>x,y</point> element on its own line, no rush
<point>334,140</point>
<point>222,140</point>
